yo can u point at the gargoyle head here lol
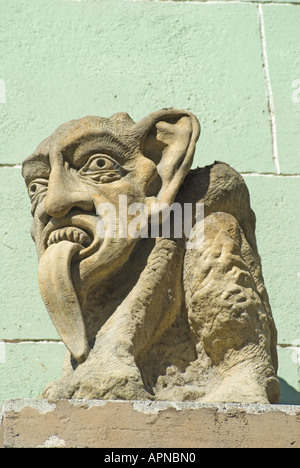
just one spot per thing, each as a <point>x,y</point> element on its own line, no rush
<point>85,164</point>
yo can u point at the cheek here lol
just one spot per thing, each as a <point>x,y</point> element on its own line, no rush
<point>40,220</point>
<point>117,209</point>
<point>116,193</point>
<point>146,177</point>
<point>36,232</point>
<point>144,172</point>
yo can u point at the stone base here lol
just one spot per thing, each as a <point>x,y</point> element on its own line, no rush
<point>139,424</point>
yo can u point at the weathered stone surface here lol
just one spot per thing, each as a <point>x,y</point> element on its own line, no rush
<point>148,316</point>
<point>140,424</point>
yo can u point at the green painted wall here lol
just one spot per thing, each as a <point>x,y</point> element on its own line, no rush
<point>236,65</point>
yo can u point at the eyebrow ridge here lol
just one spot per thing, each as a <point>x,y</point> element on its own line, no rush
<point>105,135</point>
<point>36,165</point>
<point>31,162</point>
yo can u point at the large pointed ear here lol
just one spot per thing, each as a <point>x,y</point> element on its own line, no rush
<point>168,137</point>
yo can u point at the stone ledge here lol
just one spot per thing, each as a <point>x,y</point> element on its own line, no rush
<point>140,424</point>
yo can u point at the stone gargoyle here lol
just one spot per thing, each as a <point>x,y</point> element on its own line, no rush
<point>144,316</point>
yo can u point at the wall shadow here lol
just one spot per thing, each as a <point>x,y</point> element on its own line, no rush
<point>289,395</point>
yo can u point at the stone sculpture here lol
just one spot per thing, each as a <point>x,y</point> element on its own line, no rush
<point>143,316</point>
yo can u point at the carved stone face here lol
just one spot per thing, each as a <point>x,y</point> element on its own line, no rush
<point>86,163</point>
<point>82,165</point>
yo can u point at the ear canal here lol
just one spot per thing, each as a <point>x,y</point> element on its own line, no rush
<point>168,137</point>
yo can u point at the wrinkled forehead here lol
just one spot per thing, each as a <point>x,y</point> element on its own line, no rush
<point>116,126</point>
<point>74,138</point>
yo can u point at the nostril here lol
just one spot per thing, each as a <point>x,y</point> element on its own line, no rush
<point>58,205</point>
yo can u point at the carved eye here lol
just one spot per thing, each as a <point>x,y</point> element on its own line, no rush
<point>99,163</point>
<point>36,186</point>
<point>101,168</point>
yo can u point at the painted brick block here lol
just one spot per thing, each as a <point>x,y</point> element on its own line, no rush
<point>274,200</point>
<point>29,367</point>
<point>152,55</point>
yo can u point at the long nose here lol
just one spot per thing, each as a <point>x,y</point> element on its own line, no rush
<point>63,194</point>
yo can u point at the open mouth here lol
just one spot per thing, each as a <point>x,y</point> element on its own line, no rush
<point>71,234</point>
<point>77,228</point>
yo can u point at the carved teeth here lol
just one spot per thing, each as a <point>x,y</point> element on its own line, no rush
<point>70,234</point>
